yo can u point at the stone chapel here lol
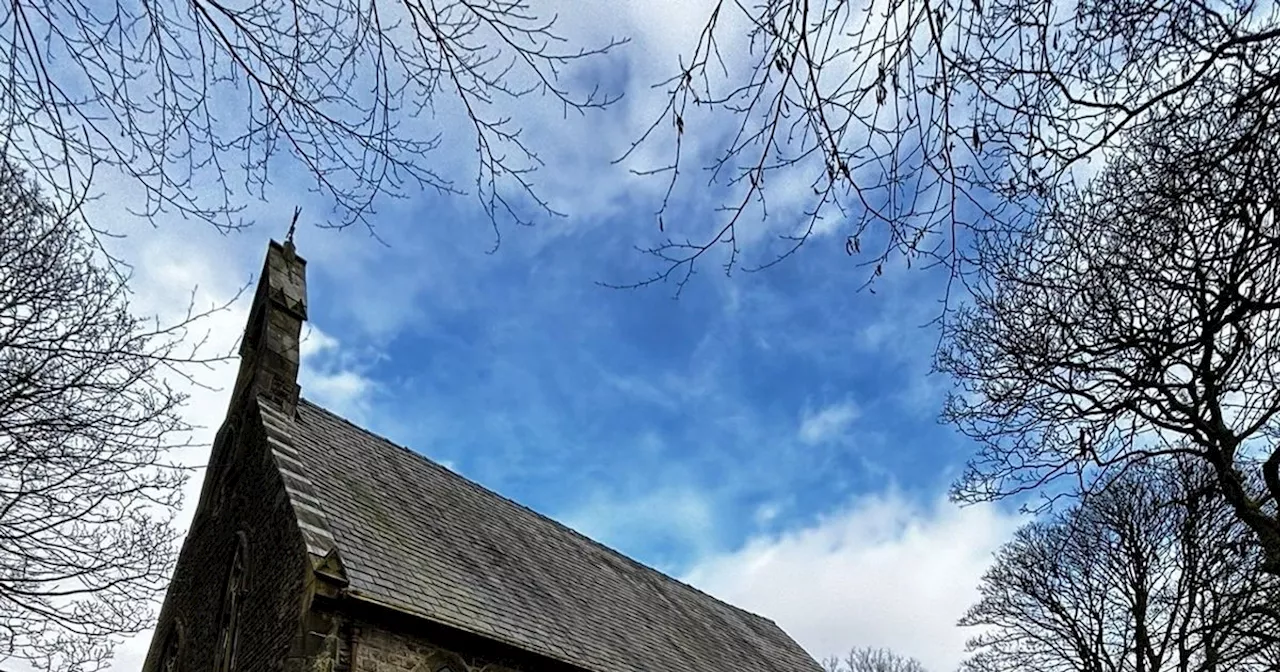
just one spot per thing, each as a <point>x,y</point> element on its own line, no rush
<point>320,546</point>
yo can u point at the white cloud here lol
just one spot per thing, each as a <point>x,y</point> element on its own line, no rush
<point>332,377</point>
<point>827,423</point>
<point>767,513</point>
<point>345,392</point>
<point>315,343</point>
<point>884,572</point>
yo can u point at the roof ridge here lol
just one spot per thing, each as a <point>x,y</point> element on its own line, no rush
<point>472,484</point>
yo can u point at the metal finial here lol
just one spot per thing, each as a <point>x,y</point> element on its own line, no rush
<point>293,225</point>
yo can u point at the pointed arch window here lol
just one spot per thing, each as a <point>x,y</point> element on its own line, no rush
<point>232,603</point>
<point>171,653</point>
<point>221,474</point>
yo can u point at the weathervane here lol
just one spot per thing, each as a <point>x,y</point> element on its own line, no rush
<point>297,210</point>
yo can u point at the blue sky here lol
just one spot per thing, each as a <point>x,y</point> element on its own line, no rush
<point>770,437</point>
<point>773,396</point>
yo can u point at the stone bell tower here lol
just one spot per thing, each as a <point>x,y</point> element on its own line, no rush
<point>269,349</point>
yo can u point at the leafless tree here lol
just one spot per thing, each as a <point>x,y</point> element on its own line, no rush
<point>201,102</point>
<point>86,420</point>
<point>913,126</point>
<point>868,659</point>
<point>1152,574</point>
<point>1138,319</point>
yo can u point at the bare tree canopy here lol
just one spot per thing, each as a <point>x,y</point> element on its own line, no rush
<point>1154,573</point>
<point>202,102</point>
<point>909,127</point>
<point>868,659</point>
<point>85,423</point>
<point>1139,319</point>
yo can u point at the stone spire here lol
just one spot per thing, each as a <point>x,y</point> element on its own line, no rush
<point>269,354</point>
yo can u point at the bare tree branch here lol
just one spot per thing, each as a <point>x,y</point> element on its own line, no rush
<point>87,421</point>
<point>200,103</point>
<point>1138,319</point>
<point>1153,573</point>
<point>911,127</point>
<point>868,659</point>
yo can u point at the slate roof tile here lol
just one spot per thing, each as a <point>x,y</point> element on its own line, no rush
<point>414,534</point>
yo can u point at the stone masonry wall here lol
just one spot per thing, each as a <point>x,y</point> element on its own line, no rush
<point>251,501</point>
<point>377,649</point>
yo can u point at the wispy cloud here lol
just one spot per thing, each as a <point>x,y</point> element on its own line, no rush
<point>345,392</point>
<point>827,423</point>
<point>332,376</point>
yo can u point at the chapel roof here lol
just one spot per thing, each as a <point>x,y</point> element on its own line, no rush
<point>418,537</point>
